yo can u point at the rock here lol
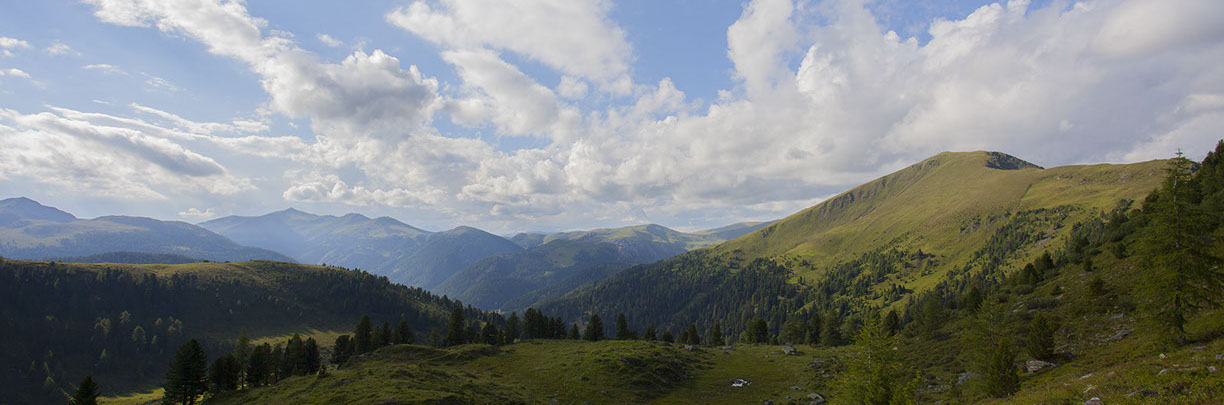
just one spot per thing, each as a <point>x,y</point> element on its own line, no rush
<point>1122,334</point>
<point>796,388</point>
<point>767,402</point>
<point>816,398</point>
<point>1220,356</point>
<point>1034,366</point>
<point>965,377</point>
<point>1162,355</point>
<point>1141,394</point>
<point>1211,369</point>
<point>688,347</point>
<point>1093,401</point>
<point>1163,371</point>
<point>789,350</point>
<point>1118,316</point>
<point>1089,388</point>
<point>1086,376</point>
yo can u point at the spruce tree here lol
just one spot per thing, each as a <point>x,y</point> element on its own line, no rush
<point>313,360</point>
<point>694,336</point>
<point>622,327</point>
<point>341,350</point>
<point>594,329</point>
<point>403,333</point>
<point>1183,274</point>
<point>1039,341</point>
<point>295,356</point>
<point>242,348</point>
<point>86,393</point>
<point>756,331</point>
<point>650,333</point>
<point>869,376</point>
<point>512,328</point>
<point>573,333</point>
<point>993,350</point>
<point>892,322</point>
<point>363,336</point>
<point>224,373</point>
<point>814,326</point>
<point>187,377</point>
<point>667,336</point>
<point>455,332</point>
<point>716,336</point>
<point>383,336</point>
<point>256,372</point>
<point>488,334</point>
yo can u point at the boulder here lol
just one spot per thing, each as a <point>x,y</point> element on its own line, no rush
<point>1093,401</point>
<point>1034,366</point>
<point>965,377</point>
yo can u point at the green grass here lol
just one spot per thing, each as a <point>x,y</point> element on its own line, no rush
<point>136,398</point>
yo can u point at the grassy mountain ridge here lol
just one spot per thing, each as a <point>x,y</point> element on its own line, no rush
<point>876,243</point>
<point>29,230</point>
<point>121,323</point>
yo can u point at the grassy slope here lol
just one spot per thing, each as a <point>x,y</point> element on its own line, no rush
<point>557,371</point>
<point>927,206</point>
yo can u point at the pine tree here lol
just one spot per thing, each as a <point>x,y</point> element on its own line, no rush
<point>512,328</point>
<point>1183,274</point>
<point>814,326</point>
<point>794,331</point>
<point>455,328</point>
<point>693,335</point>
<point>994,351</point>
<point>363,336</point>
<point>242,348</point>
<point>488,334</point>
<point>341,350</point>
<point>622,327</point>
<point>594,329</point>
<point>278,364</point>
<point>224,373</point>
<point>295,356</point>
<point>313,360</point>
<point>403,333</point>
<point>756,331</point>
<point>257,367</point>
<point>187,377</point>
<point>870,375</point>
<point>716,336</point>
<point>667,336</point>
<point>830,333</point>
<point>1039,341</point>
<point>650,333</point>
<point>86,393</point>
<point>892,322</point>
<point>383,336</point>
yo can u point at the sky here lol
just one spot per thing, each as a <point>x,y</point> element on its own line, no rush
<point>543,115</point>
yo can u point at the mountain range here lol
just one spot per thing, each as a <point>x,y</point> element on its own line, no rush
<point>29,230</point>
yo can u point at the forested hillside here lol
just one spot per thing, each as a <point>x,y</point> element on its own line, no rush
<point>955,214</point>
<point>29,230</point>
<point>121,323</point>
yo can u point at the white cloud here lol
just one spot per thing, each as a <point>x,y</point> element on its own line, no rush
<point>14,72</point>
<point>573,36</point>
<point>160,84</point>
<point>105,68</point>
<point>60,48</point>
<point>329,41</point>
<point>825,98</point>
<point>197,215</point>
<point>105,160</point>
<point>13,43</point>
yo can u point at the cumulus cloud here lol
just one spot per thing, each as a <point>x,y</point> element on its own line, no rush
<point>105,68</point>
<point>825,97</point>
<point>105,160</point>
<point>573,36</point>
<point>329,41</point>
<point>7,44</point>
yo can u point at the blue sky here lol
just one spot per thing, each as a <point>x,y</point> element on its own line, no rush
<point>552,115</point>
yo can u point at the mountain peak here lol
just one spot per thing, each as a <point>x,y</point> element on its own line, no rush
<point>24,208</point>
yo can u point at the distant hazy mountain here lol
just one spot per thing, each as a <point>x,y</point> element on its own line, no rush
<point>733,231</point>
<point>406,254</point>
<point>352,240</point>
<point>29,230</point>
<point>554,264</point>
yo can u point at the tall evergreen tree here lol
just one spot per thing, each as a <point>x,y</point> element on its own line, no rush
<point>650,333</point>
<point>280,367</point>
<point>488,334</point>
<point>870,375</point>
<point>455,331</point>
<point>86,393</point>
<point>242,348</point>
<point>383,336</point>
<point>187,378</point>
<point>814,326</point>
<point>594,329</point>
<point>342,349</point>
<point>1183,274</point>
<point>994,351</point>
<point>1039,341</point>
<point>363,336</point>
<point>667,337</point>
<point>694,336</point>
<point>573,333</point>
<point>794,331</point>
<point>892,322</point>
<point>403,333</point>
<point>313,360</point>
<point>622,327</point>
<point>295,356</point>
<point>512,328</point>
<point>716,336</point>
<point>225,373</point>
<point>257,367</point>
<point>756,331</point>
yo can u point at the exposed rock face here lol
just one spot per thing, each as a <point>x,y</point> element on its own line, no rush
<point>1034,366</point>
<point>965,377</point>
